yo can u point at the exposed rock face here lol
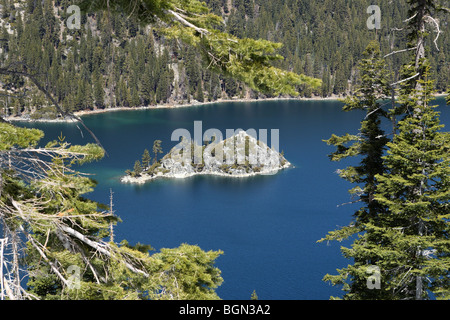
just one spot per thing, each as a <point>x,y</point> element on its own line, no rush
<point>238,156</point>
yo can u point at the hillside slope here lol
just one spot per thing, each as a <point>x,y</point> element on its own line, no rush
<point>111,61</point>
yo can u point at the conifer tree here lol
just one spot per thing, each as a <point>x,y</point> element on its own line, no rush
<point>368,145</point>
<point>416,189</point>
<point>406,239</point>
<point>146,159</point>
<point>156,149</point>
<point>98,92</point>
<point>326,83</point>
<point>137,169</point>
<point>146,88</point>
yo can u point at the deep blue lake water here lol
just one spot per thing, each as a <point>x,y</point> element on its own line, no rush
<point>267,226</point>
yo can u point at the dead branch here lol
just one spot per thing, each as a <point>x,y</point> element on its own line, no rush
<point>410,18</point>
<point>51,264</point>
<point>399,51</point>
<point>434,21</point>
<point>181,18</point>
<point>101,247</point>
<point>410,78</point>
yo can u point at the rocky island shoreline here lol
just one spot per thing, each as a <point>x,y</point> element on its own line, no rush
<point>239,156</point>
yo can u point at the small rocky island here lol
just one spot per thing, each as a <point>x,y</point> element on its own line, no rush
<point>245,156</point>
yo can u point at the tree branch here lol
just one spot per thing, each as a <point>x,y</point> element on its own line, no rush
<point>181,19</point>
<point>99,246</point>
<point>434,21</point>
<point>52,266</point>
<point>33,242</point>
<point>414,76</point>
<point>398,51</point>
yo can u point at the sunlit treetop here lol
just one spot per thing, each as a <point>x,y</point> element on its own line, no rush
<point>191,21</point>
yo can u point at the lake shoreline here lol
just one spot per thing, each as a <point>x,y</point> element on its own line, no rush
<point>199,104</point>
<point>147,178</point>
<point>176,106</point>
<point>168,106</point>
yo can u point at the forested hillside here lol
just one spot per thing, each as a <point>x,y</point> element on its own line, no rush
<point>111,61</point>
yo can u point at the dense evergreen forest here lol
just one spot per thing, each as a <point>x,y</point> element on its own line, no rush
<point>112,61</point>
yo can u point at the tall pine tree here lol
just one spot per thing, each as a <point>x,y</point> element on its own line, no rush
<point>406,239</point>
<point>368,145</point>
<point>416,189</point>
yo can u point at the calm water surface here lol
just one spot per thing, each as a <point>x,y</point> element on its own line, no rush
<point>267,226</point>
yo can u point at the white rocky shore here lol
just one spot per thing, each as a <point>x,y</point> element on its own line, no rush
<point>250,157</point>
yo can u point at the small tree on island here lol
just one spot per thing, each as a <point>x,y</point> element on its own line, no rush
<point>146,159</point>
<point>156,149</point>
<point>137,169</point>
